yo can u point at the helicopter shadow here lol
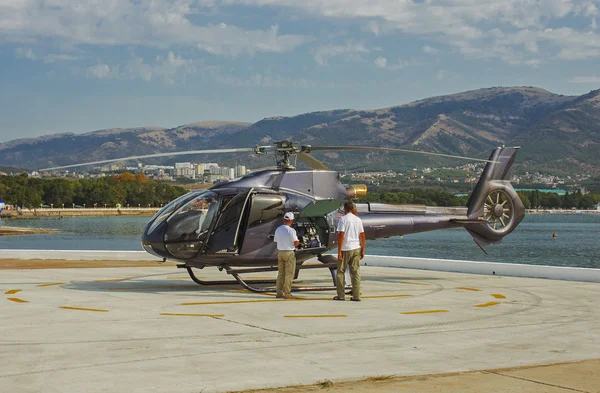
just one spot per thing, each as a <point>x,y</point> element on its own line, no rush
<point>397,280</point>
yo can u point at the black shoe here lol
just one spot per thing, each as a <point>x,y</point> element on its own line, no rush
<point>354,300</point>
<point>338,298</point>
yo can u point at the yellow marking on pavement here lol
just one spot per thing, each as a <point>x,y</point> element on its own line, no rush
<point>178,278</point>
<point>12,291</point>
<point>317,316</point>
<point>498,296</point>
<point>191,315</point>
<point>469,289</point>
<point>112,280</point>
<point>386,296</point>
<point>52,284</point>
<point>423,312</point>
<point>17,300</point>
<point>82,309</point>
<point>413,283</point>
<point>489,304</point>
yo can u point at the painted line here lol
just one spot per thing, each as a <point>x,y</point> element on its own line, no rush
<point>489,304</point>
<point>12,291</point>
<point>191,315</point>
<point>52,284</point>
<point>17,300</point>
<point>317,316</point>
<point>498,296</point>
<point>469,289</point>
<point>423,312</point>
<point>82,309</point>
<point>413,283</point>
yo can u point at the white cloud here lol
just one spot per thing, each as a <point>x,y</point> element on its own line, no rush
<point>100,71</point>
<point>168,69</point>
<point>593,25</point>
<point>323,53</point>
<point>150,23</point>
<point>441,74</point>
<point>430,50</point>
<point>25,53</point>
<point>492,27</point>
<point>591,79</point>
<point>382,62</point>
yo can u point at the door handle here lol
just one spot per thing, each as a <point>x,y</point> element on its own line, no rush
<point>377,226</point>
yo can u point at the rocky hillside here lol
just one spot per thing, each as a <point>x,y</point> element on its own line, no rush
<point>555,131</point>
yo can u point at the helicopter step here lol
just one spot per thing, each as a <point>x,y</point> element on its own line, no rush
<point>222,282</point>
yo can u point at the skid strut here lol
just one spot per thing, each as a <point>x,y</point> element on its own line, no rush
<point>222,282</point>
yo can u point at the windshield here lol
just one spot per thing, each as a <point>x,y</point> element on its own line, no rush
<point>188,227</point>
<point>166,211</point>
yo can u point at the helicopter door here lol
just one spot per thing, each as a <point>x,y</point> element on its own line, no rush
<point>225,236</point>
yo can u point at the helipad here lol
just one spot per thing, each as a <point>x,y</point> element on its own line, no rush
<point>150,329</point>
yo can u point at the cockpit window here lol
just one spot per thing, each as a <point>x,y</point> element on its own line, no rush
<point>188,227</point>
<point>168,209</point>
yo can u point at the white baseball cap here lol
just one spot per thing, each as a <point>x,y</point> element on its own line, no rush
<point>289,216</point>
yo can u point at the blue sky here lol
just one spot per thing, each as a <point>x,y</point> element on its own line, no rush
<point>79,66</point>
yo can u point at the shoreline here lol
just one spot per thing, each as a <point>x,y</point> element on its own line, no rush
<point>17,231</point>
<point>82,212</point>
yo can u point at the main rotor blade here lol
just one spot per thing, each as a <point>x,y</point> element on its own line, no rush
<point>311,161</point>
<point>174,153</point>
<point>365,148</point>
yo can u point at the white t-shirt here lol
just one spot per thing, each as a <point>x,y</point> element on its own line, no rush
<point>352,227</point>
<point>285,237</point>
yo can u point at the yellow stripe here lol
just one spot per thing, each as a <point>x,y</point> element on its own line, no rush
<point>17,300</point>
<point>469,289</point>
<point>82,309</point>
<point>498,296</point>
<point>413,283</point>
<point>51,285</point>
<point>12,291</point>
<point>423,312</point>
<point>487,304</point>
<point>191,315</point>
<point>317,316</point>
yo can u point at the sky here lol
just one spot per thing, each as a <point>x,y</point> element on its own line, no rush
<point>78,66</point>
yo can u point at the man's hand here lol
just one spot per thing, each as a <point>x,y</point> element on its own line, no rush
<point>362,253</point>
<point>340,256</point>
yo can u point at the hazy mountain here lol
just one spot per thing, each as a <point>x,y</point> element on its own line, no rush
<point>554,131</point>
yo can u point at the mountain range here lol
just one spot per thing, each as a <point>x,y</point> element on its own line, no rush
<point>556,133</point>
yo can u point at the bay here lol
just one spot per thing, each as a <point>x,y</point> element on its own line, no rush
<point>576,243</point>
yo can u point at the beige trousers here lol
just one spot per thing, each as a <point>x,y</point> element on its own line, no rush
<point>349,258</point>
<point>286,266</point>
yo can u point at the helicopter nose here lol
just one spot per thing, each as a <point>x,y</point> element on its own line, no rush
<point>152,239</point>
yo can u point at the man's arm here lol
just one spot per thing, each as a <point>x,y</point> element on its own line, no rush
<point>340,242</point>
<point>363,244</point>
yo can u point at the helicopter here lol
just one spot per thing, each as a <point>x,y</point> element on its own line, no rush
<point>231,225</point>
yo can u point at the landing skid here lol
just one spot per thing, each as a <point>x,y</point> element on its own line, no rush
<point>328,262</point>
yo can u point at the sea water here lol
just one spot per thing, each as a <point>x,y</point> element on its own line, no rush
<point>576,242</point>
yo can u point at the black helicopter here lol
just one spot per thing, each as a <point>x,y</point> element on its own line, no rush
<point>231,224</point>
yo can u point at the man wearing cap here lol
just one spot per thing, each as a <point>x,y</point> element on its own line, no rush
<point>287,241</point>
<point>351,249</point>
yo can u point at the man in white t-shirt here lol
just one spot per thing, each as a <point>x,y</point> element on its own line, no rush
<point>287,241</point>
<point>351,249</point>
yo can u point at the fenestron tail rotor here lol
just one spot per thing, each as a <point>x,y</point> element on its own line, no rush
<point>283,151</point>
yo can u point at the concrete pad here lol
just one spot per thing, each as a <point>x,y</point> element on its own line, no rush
<point>150,329</point>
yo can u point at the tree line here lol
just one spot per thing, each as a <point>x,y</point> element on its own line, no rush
<point>531,199</point>
<point>124,189</point>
